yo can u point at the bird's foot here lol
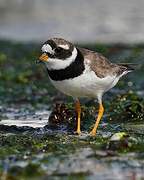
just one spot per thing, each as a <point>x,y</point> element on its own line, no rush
<point>78,132</point>
<point>93,132</point>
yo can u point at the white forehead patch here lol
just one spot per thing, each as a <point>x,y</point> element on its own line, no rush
<point>64,46</point>
<point>47,48</point>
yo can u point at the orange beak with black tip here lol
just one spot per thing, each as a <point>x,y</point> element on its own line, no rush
<point>44,57</point>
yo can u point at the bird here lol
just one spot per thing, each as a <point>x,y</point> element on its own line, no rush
<point>80,72</point>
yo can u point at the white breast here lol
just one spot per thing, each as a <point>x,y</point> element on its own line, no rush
<point>86,85</point>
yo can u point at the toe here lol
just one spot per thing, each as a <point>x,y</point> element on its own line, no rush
<point>93,133</point>
<point>78,132</point>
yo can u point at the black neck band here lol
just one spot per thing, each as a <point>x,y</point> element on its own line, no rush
<point>75,69</point>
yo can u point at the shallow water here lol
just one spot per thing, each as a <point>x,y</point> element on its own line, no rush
<point>24,117</point>
<point>69,156</point>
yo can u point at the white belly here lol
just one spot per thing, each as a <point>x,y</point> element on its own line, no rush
<point>86,85</point>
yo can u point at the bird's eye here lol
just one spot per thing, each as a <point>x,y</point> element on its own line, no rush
<point>58,49</point>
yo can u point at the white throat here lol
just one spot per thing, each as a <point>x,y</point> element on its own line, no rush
<point>56,64</point>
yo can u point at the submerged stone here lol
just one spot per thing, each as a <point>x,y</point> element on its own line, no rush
<point>121,141</point>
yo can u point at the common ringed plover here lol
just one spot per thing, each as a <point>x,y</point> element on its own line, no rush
<point>80,72</point>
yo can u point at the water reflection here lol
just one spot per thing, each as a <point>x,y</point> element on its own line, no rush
<point>24,117</point>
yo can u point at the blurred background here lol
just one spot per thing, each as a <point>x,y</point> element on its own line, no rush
<point>77,20</point>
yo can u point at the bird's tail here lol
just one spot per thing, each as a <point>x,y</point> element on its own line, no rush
<point>129,66</point>
<point>125,68</point>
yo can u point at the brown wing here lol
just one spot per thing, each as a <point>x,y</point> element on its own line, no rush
<point>99,64</point>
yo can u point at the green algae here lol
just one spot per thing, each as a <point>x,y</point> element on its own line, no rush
<point>34,156</point>
<point>126,107</point>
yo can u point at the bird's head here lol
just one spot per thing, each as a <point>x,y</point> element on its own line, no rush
<point>57,53</point>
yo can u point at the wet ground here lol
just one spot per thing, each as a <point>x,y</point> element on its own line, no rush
<point>37,123</point>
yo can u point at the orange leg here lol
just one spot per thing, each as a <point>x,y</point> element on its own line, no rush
<point>78,110</point>
<point>100,114</point>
